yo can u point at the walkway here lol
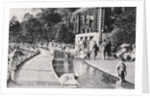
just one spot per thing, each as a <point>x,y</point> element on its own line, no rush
<point>109,66</point>
<point>37,72</point>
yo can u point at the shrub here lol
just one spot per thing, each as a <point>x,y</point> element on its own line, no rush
<point>119,36</point>
<point>124,27</point>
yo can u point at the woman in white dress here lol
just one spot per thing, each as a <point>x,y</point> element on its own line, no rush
<point>103,46</point>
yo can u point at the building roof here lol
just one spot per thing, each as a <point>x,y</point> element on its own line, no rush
<point>81,10</point>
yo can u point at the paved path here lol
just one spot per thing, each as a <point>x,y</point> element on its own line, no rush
<point>37,72</point>
<point>109,66</point>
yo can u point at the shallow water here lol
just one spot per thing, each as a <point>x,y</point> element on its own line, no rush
<point>89,77</point>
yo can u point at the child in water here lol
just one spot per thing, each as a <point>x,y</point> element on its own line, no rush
<point>121,71</point>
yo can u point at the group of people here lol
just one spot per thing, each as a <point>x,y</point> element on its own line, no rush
<point>17,54</point>
<point>87,49</point>
<point>12,57</point>
<point>104,49</point>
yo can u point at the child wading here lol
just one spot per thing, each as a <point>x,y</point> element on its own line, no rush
<point>121,71</point>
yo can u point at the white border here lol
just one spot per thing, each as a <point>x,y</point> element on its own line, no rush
<point>90,3</point>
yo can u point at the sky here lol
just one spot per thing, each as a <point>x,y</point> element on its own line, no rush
<point>19,12</point>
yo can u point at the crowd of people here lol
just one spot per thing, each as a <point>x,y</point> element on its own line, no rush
<point>106,50</point>
<point>18,53</point>
<point>84,49</point>
<point>89,49</point>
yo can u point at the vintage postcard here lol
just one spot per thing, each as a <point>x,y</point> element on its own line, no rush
<point>78,47</point>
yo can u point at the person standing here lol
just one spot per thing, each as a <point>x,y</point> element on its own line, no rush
<point>81,44</point>
<point>77,50</point>
<point>121,71</point>
<point>87,48</point>
<point>67,54</point>
<point>82,54</point>
<point>103,49</point>
<point>95,49</point>
<point>108,49</point>
<point>12,64</point>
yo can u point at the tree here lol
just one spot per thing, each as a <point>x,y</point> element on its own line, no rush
<point>14,29</point>
<point>124,27</point>
<point>44,26</point>
<point>64,35</point>
<point>49,18</point>
<point>31,28</point>
<point>66,14</point>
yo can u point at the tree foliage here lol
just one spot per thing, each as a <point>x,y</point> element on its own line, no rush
<point>64,35</point>
<point>14,28</point>
<point>46,25</point>
<point>124,27</point>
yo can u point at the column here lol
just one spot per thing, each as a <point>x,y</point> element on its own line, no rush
<point>101,22</point>
<point>123,9</point>
<point>78,23</point>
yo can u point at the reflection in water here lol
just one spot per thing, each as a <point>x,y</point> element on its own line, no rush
<point>89,77</point>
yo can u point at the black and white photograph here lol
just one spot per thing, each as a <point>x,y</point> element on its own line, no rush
<point>76,47</point>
